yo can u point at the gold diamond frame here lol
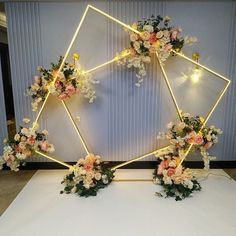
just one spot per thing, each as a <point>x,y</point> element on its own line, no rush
<point>156,152</point>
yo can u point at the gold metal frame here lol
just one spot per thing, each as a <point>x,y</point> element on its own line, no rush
<point>159,151</point>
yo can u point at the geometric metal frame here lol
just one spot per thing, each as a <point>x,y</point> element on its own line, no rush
<point>158,151</point>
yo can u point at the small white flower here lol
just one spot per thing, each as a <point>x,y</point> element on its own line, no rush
<point>45,132</point>
<point>21,156</point>
<point>159,34</point>
<point>17,137</point>
<point>148,28</point>
<point>170,125</point>
<point>26,120</point>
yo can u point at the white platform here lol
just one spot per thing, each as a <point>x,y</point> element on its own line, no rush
<point>124,209</point>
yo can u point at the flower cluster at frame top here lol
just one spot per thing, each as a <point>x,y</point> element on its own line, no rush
<point>156,36</point>
<point>70,80</point>
<point>88,176</point>
<point>23,145</point>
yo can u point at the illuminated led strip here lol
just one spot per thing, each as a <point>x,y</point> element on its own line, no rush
<point>54,159</point>
<point>107,63</point>
<point>76,128</point>
<point>159,151</point>
<point>169,88</point>
<point>217,101</point>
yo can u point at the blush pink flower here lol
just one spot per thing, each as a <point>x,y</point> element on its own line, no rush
<point>208,145</point>
<point>70,90</point>
<point>198,139</point>
<point>174,34</point>
<point>170,172</point>
<point>45,146</point>
<point>31,140</point>
<point>162,166</point>
<point>37,79</point>
<point>9,159</point>
<point>63,96</point>
<point>88,166</point>
<point>152,38</point>
<point>168,47</point>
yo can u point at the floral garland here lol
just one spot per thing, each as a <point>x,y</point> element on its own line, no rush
<point>23,146</point>
<point>71,80</point>
<point>88,176</point>
<point>156,36</point>
<point>177,181</point>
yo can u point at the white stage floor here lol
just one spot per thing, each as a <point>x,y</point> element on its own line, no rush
<point>123,208</point>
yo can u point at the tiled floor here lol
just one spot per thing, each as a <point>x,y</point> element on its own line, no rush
<point>11,184</point>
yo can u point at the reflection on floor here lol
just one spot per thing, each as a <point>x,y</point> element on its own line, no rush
<point>11,184</point>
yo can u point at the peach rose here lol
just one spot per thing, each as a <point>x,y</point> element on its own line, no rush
<point>45,145</point>
<point>63,96</point>
<point>70,90</point>
<point>170,172</point>
<point>174,34</point>
<point>37,79</point>
<point>31,140</point>
<point>198,139</point>
<point>152,38</point>
<point>168,47</point>
<point>9,159</point>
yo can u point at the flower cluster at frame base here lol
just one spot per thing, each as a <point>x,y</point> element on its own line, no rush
<point>64,84</point>
<point>23,146</point>
<point>156,37</point>
<point>87,177</point>
<point>176,181</point>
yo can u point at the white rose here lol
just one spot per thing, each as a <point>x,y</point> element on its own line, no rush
<point>98,176</point>
<point>136,45</point>
<point>146,44</point>
<point>148,28</point>
<point>45,132</point>
<point>17,137</point>
<point>20,156</point>
<point>159,34</point>
<point>133,37</point>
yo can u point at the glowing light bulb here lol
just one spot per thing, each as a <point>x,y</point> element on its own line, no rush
<point>196,75</point>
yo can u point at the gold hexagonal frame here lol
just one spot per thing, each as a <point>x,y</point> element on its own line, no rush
<point>156,152</point>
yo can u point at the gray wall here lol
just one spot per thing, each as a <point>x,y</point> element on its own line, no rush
<point>124,120</point>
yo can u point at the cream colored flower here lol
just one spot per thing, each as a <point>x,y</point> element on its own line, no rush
<point>147,44</point>
<point>145,35</point>
<point>136,45</point>
<point>98,176</point>
<point>21,156</point>
<point>25,131</point>
<point>159,34</point>
<point>148,28</point>
<point>52,89</point>
<point>17,137</point>
<point>45,132</point>
<point>133,37</point>
<point>26,120</point>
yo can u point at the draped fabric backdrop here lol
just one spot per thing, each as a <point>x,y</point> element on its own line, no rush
<point>124,120</point>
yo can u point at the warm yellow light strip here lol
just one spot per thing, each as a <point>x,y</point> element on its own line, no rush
<point>160,150</point>
<point>114,19</point>
<point>207,118</point>
<point>169,88</point>
<point>35,123</point>
<point>106,63</point>
<point>62,63</point>
<point>198,64</point>
<point>76,128</point>
<point>54,159</point>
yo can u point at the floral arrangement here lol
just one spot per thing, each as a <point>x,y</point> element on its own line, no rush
<point>177,181</point>
<point>70,80</point>
<point>88,176</point>
<point>23,145</point>
<point>156,36</point>
<point>187,132</point>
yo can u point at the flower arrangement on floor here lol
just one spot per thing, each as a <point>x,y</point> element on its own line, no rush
<point>182,134</point>
<point>23,145</point>
<point>177,181</point>
<point>71,80</point>
<point>88,176</point>
<point>156,36</point>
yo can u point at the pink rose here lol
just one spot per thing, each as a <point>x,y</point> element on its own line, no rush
<point>162,166</point>
<point>208,145</point>
<point>168,47</point>
<point>45,146</point>
<point>31,140</point>
<point>198,139</point>
<point>70,90</point>
<point>9,159</point>
<point>170,172</point>
<point>153,38</point>
<point>88,166</point>
<point>63,96</point>
<point>37,79</point>
<point>58,84</point>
